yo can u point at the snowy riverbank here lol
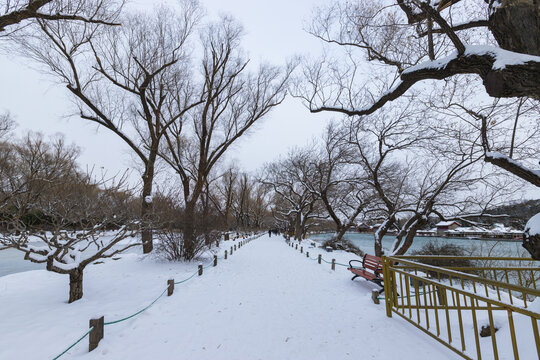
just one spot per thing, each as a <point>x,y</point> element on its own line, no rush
<point>264,302</point>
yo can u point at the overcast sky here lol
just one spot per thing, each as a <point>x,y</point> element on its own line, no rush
<point>273,33</point>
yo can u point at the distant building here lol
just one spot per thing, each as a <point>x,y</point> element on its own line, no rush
<point>364,228</point>
<point>444,226</point>
<point>497,231</point>
<point>429,232</point>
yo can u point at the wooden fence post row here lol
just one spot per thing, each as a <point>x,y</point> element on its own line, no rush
<point>98,324</point>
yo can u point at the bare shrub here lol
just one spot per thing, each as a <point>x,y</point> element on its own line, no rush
<point>342,244</point>
<point>435,248</point>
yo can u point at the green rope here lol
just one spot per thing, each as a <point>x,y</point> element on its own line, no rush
<point>138,312</point>
<point>75,343</point>
<point>135,314</point>
<point>189,278</point>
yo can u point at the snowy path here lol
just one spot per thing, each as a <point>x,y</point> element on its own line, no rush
<point>266,302</point>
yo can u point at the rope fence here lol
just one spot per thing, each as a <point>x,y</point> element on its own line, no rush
<point>95,332</point>
<point>333,262</point>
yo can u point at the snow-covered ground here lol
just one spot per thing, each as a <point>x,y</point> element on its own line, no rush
<point>265,302</point>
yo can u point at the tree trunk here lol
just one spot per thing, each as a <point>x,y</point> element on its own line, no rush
<point>532,245</point>
<point>188,231</point>
<point>298,228</point>
<point>516,26</point>
<point>378,243</point>
<point>380,233</point>
<point>147,208</point>
<point>409,233</point>
<point>75,285</point>
<point>340,232</point>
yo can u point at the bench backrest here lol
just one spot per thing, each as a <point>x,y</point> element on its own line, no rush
<point>373,263</point>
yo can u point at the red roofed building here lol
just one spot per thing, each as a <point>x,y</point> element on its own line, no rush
<point>444,226</point>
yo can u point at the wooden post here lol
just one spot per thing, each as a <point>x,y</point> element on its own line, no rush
<point>375,296</point>
<point>225,254</point>
<point>170,289</point>
<point>97,334</point>
<point>301,249</point>
<point>200,269</point>
<point>307,254</point>
<point>296,246</point>
<point>234,247</point>
<point>334,264</point>
<point>319,259</point>
<point>441,295</point>
<point>226,236</point>
<point>217,243</point>
<point>215,260</point>
<point>231,250</point>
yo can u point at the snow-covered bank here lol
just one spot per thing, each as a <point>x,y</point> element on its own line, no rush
<point>264,302</point>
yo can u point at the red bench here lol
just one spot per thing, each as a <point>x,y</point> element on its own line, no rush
<point>371,270</point>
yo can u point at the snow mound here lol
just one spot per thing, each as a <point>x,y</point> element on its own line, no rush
<point>533,225</point>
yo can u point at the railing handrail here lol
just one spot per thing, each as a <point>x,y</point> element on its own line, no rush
<point>450,257</point>
<point>463,275</point>
<point>465,292</point>
<point>520,268</point>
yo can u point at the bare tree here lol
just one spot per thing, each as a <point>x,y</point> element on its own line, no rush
<point>17,14</point>
<point>6,125</point>
<point>232,101</point>
<point>29,167</point>
<point>417,168</point>
<point>259,205</point>
<point>59,216</point>
<point>341,188</point>
<point>294,202</point>
<point>223,196</point>
<point>508,129</point>
<point>240,199</point>
<point>133,80</point>
<point>416,41</point>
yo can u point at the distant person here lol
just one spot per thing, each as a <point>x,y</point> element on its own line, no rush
<point>269,233</point>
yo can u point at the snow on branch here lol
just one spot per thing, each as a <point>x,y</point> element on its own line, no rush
<point>504,73</point>
<point>514,167</point>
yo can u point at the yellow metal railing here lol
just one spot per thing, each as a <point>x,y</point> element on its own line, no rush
<point>464,307</point>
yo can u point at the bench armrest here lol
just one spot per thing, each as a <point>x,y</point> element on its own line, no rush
<point>350,265</point>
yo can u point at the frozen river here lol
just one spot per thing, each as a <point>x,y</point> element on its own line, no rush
<point>12,261</point>
<point>478,247</point>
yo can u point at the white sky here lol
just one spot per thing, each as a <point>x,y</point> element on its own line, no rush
<point>273,33</point>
